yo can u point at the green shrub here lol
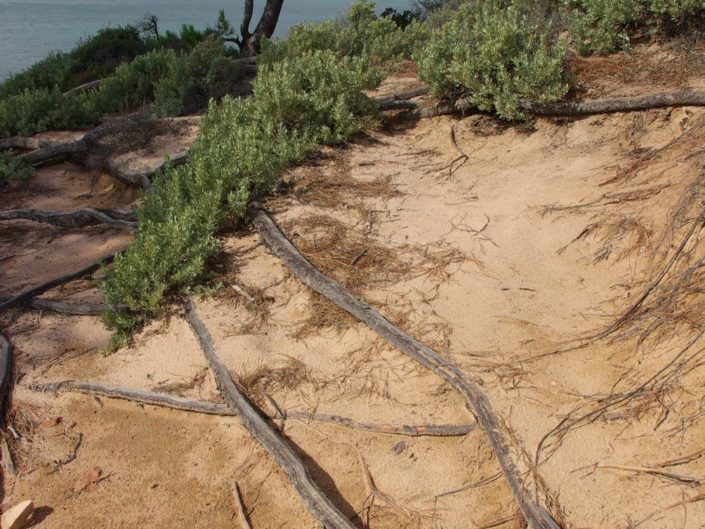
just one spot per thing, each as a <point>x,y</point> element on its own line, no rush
<point>494,56</point>
<point>360,34</point>
<point>134,83</point>
<point>98,56</point>
<point>240,152</point>
<point>319,94</point>
<point>13,168</point>
<point>602,26</point>
<point>47,73</point>
<point>93,58</point>
<point>207,72</point>
<point>40,110</point>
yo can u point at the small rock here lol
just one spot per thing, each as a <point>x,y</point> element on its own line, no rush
<point>18,516</point>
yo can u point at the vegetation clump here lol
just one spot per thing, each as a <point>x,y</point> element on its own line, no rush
<point>243,146</point>
<point>493,55</point>
<point>13,168</point>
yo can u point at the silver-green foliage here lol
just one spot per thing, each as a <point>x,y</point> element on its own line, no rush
<point>359,34</point>
<point>494,56</point>
<point>602,26</point>
<point>243,146</point>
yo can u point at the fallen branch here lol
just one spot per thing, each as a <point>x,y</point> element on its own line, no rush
<point>20,142</point>
<point>318,503</point>
<point>240,507</point>
<point>84,87</point>
<point>536,515</point>
<point>653,471</point>
<point>77,309</point>
<point>212,408</point>
<point>559,109</point>
<point>74,219</point>
<point>399,100</point>
<point>617,104</point>
<point>55,152</point>
<point>35,291</point>
<point>5,371</point>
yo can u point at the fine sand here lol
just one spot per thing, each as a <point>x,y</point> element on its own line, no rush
<point>511,251</point>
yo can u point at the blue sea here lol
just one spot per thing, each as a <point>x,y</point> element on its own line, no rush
<point>30,29</point>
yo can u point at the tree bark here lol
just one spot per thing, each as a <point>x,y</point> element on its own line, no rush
<point>250,43</point>
<point>281,451</point>
<point>74,219</point>
<point>35,291</point>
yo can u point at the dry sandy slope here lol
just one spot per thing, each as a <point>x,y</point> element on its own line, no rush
<point>468,260</point>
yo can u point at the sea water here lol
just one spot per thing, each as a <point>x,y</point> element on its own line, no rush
<point>30,29</point>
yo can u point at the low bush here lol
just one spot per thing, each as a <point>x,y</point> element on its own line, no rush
<point>13,168</point>
<point>240,152</point>
<point>360,34</point>
<point>602,26</point>
<point>134,83</point>
<point>40,110</point>
<point>495,54</point>
<point>93,58</point>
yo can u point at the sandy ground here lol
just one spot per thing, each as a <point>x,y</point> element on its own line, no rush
<point>504,248</point>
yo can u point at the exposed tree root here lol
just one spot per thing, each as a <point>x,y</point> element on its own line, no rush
<point>76,309</point>
<point>79,150</point>
<point>212,408</point>
<point>35,291</point>
<point>85,87</point>
<point>399,100</point>
<point>536,515</point>
<point>561,109</point>
<point>5,371</point>
<point>20,142</point>
<point>618,104</point>
<point>317,502</point>
<point>74,219</point>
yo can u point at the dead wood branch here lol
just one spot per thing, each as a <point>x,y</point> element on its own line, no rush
<point>281,451</point>
<point>536,515</point>
<point>618,104</point>
<point>564,109</point>
<point>136,395</point>
<point>55,152</point>
<point>240,507</point>
<point>653,471</point>
<point>85,87</point>
<point>20,142</point>
<point>74,219</point>
<point>35,291</point>
<point>5,371</point>
<point>399,101</point>
<point>76,309</point>
<point>212,408</point>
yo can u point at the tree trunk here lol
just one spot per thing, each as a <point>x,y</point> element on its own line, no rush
<point>250,42</point>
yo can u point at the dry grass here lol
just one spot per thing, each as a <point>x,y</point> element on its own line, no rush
<point>264,380</point>
<point>359,262</point>
<point>670,65</point>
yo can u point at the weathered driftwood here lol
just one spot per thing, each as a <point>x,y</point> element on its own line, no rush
<point>618,104</point>
<point>35,291</point>
<point>318,503</point>
<point>55,152</point>
<point>399,100</point>
<point>141,177</point>
<point>536,514</point>
<point>74,219</point>
<point>77,309</point>
<point>560,109</point>
<point>212,408</point>
<point>136,395</point>
<point>85,87</point>
<point>20,142</point>
<point>5,371</point>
